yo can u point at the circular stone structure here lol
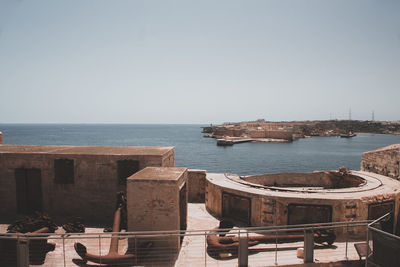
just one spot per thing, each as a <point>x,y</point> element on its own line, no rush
<point>301,198</point>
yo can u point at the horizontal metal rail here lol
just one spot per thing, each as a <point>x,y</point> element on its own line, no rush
<point>144,234</point>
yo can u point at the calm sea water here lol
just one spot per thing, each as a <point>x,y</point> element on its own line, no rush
<point>192,150</point>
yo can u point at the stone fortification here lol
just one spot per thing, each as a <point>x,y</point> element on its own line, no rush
<point>385,161</point>
<point>280,130</point>
<point>274,134</point>
<point>301,198</point>
<point>70,181</point>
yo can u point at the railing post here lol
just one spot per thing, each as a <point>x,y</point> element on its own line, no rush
<point>366,258</point>
<point>347,239</point>
<point>276,248</point>
<point>205,248</point>
<point>309,246</point>
<point>243,249</point>
<point>136,251</point>
<point>63,240</point>
<point>100,247</point>
<point>22,252</point>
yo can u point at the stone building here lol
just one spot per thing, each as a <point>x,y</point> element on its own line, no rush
<point>70,181</point>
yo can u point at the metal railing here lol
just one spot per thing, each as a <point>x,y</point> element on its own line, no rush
<point>161,248</point>
<point>382,247</point>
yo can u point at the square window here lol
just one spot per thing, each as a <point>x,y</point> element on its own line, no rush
<point>64,171</point>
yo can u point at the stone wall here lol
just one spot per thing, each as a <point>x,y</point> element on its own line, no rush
<point>385,161</point>
<point>286,135</point>
<point>91,195</point>
<point>196,185</point>
<point>224,131</point>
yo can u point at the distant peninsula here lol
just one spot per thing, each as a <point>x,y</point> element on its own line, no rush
<point>230,133</point>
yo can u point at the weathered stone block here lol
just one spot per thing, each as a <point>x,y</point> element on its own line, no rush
<point>157,201</point>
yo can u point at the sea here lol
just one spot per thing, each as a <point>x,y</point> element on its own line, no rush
<point>194,151</point>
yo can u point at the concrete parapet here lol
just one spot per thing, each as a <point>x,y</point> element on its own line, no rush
<point>196,185</point>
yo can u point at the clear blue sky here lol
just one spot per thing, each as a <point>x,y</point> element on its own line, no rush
<point>198,61</point>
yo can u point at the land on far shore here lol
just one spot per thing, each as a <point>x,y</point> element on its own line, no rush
<point>230,133</point>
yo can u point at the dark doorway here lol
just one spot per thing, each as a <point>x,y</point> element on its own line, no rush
<point>183,208</point>
<point>236,208</point>
<point>377,210</point>
<point>29,190</point>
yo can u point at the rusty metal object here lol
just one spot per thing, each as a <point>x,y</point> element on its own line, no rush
<point>218,242</point>
<point>75,227</point>
<point>30,224</point>
<point>320,237</point>
<point>112,257</point>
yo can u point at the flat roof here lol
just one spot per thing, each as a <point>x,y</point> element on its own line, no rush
<point>158,174</point>
<point>87,150</point>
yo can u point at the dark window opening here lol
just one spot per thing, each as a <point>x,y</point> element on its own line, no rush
<point>237,208</point>
<point>64,171</point>
<point>305,214</point>
<point>125,169</point>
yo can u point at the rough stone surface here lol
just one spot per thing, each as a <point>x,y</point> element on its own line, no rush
<point>276,134</point>
<point>385,161</point>
<point>196,186</point>
<point>92,195</point>
<point>153,202</point>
